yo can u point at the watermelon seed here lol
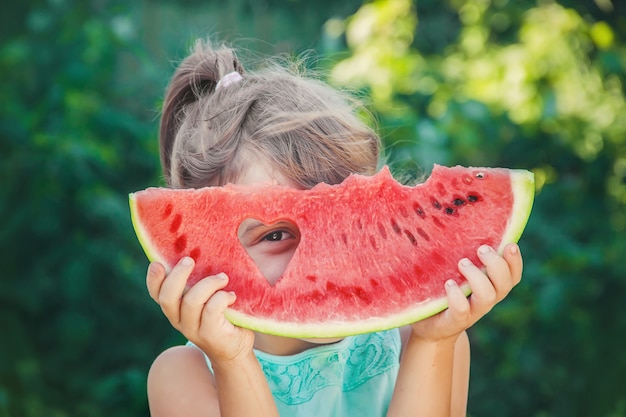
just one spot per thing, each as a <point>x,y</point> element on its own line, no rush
<point>344,238</point>
<point>480,175</point>
<point>472,198</point>
<point>168,210</point>
<point>441,189</point>
<point>178,220</point>
<point>195,253</point>
<point>451,211</point>
<point>312,297</point>
<point>423,234</point>
<point>459,202</point>
<point>360,293</point>
<point>403,211</point>
<point>180,244</point>
<point>395,226</point>
<point>467,179</point>
<point>419,210</point>
<point>382,231</point>
<point>436,204</point>
<point>438,222</point>
<point>348,293</point>
<point>412,238</point>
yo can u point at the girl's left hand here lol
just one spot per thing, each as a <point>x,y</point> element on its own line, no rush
<point>488,289</point>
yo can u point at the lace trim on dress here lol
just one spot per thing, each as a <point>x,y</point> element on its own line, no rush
<point>346,364</point>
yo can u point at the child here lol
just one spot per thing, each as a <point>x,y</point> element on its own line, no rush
<point>221,124</point>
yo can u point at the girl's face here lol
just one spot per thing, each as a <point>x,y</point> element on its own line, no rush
<point>271,247</point>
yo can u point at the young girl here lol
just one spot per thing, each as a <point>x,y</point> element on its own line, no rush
<point>221,124</point>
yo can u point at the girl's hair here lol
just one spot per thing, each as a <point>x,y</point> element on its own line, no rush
<point>305,129</point>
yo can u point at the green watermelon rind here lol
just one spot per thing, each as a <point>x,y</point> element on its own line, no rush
<point>523,188</point>
<point>152,253</point>
<point>330,329</point>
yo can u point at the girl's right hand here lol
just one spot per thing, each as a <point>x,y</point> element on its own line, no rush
<point>198,312</point>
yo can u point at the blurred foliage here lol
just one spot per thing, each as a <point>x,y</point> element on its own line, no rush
<point>536,85</point>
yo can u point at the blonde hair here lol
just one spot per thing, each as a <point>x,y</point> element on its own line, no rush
<point>305,129</point>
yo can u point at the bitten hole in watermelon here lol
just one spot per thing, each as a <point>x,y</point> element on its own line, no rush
<point>270,245</point>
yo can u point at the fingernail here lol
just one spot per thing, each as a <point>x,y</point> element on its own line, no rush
<point>484,249</point>
<point>186,261</point>
<point>222,275</point>
<point>513,249</point>
<point>151,269</point>
<point>451,283</point>
<point>465,262</point>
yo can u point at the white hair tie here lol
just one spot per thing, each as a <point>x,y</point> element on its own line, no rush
<point>228,79</point>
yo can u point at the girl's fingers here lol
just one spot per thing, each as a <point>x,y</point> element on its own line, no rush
<point>484,294</point>
<point>154,279</point>
<point>459,309</point>
<point>497,270</point>
<point>513,257</point>
<point>213,312</point>
<point>198,296</point>
<point>173,287</point>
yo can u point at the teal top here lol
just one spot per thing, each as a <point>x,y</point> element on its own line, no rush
<point>353,377</point>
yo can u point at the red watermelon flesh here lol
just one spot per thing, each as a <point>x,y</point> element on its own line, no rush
<point>373,254</point>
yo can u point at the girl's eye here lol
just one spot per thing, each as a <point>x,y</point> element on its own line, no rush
<point>276,236</point>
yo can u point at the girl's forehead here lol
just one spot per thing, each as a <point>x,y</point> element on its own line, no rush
<point>262,172</point>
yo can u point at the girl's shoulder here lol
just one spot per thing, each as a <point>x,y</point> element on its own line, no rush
<point>179,371</point>
<point>179,363</point>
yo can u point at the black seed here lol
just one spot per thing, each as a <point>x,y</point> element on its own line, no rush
<point>450,210</point>
<point>412,238</point>
<point>472,198</point>
<point>459,202</point>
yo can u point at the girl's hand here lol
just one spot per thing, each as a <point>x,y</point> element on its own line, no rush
<point>488,289</point>
<point>198,312</point>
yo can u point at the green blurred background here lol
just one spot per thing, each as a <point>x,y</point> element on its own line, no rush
<point>522,84</point>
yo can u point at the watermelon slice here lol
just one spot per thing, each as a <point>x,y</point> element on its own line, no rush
<point>373,254</point>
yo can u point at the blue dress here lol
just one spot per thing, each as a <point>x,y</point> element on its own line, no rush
<point>353,377</point>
